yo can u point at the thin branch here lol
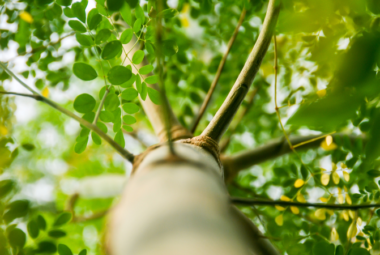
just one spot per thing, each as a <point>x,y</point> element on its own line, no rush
<point>217,75</point>
<point>224,144</point>
<point>5,68</point>
<point>250,202</point>
<point>36,97</point>
<point>70,207</point>
<point>160,66</point>
<point>231,104</point>
<point>123,152</point>
<point>273,149</point>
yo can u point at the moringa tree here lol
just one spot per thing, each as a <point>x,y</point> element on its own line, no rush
<point>215,81</point>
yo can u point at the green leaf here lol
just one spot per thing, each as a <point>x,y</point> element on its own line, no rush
<point>119,138</point>
<point>96,139</point>
<point>33,229</point>
<point>323,248</point>
<point>130,108</point>
<point>77,26</point>
<point>127,128</point>
<point>358,251</point>
<point>6,187</point>
<point>112,102</point>
<point>126,14</point>
<point>62,219</point>
<point>126,36</point>
<point>84,40</point>
<point>119,74</point>
<point>102,127</point>
<point>374,173</point>
<point>114,5</point>
<point>146,69</point>
<point>93,19</point>
<point>106,116</point>
<point>144,91</point>
<point>46,247</point>
<point>68,13</point>
<point>112,49</point>
<point>102,36</point>
<point>84,103</point>
<point>138,57</point>
<point>16,209</point>
<point>84,71</point>
<point>170,47</point>
<point>129,120</point>
<point>129,94</point>
<point>339,250</point>
<point>41,222</point>
<point>79,11</point>
<point>138,83</point>
<point>325,114</point>
<point>64,250</point>
<point>152,79</point>
<point>139,12</point>
<point>137,26</point>
<point>154,95</point>
<point>17,238</point>
<point>83,252</point>
<point>373,146</point>
<point>63,2</point>
<point>56,234</point>
<point>168,13</point>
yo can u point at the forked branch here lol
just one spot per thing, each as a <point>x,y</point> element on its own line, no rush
<point>218,73</point>
<point>231,104</point>
<point>123,152</point>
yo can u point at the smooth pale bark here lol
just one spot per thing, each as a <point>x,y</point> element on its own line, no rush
<point>172,207</point>
<point>156,113</point>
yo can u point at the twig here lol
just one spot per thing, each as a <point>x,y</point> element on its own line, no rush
<point>218,73</point>
<point>250,202</point>
<point>70,207</point>
<point>231,104</point>
<point>123,152</point>
<point>224,144</point>
<point>273,149</point>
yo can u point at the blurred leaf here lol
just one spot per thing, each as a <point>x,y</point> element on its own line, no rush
<point>84,71</point>
<point>62,219</point>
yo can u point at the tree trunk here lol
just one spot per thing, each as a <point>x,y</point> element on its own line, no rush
<point>179,205</point>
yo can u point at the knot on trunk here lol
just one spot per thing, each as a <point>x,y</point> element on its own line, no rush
<point>207,143</point>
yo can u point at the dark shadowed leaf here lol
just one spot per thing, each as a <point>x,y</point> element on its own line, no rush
<point>62,219</point>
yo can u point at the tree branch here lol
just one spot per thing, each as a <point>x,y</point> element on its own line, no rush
<point>231,104</point>
<point>218,73</point>
<point>243,160</point>
<point>250,202</point>
<point>123,152</point>
<point>224,144</point>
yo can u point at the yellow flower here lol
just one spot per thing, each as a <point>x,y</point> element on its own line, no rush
<point>26,17</point>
